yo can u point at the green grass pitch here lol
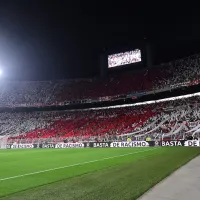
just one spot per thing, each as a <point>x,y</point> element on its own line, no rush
<point>86,174</point>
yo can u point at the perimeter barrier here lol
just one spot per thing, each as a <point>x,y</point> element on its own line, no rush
<point>133,144</point>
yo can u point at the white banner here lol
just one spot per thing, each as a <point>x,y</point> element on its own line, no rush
<point>130,144</point>
<point>192,143</point>
<point>171,143</point>
<point>69,145</point>
<point>22,146</point>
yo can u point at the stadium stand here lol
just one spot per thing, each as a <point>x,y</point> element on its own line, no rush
<point>184,72</point>
<point>174,118</point>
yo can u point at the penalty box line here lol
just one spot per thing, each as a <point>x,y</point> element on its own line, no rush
<point>73,165</point>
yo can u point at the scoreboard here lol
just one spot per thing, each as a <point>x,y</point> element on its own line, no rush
<point>124,58</point>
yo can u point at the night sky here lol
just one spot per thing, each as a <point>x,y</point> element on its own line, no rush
<point>41,40</point>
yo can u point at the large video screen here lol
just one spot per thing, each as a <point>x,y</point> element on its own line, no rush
<point>124,58</point>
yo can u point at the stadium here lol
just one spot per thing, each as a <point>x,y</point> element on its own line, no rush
<point>90,153</point>
<point>132,131</point>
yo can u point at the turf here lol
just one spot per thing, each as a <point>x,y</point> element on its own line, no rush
<point>126,173</point>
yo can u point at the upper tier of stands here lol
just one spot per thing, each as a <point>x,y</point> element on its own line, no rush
<point>182,72</point>
<point>172,118</point>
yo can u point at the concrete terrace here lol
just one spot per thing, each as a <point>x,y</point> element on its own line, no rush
<point>183,184</point>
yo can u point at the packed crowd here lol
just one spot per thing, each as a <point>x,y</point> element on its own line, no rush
<point>183,72</point>
<point>172,118</point>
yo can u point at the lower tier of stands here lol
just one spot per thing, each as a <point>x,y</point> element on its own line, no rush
<point>165,119</point>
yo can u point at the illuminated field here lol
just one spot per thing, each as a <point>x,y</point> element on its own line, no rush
<point>90,173</point>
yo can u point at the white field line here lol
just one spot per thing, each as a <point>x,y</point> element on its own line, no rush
<point>73,165</point>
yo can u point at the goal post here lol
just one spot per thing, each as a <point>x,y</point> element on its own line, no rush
<point>3,142</point>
